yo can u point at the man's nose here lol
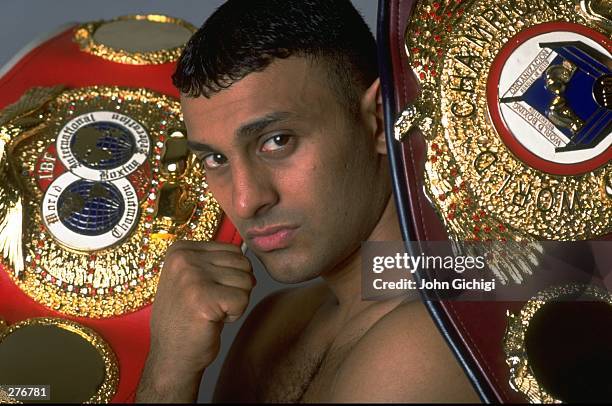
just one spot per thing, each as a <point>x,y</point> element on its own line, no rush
<point>253,192</point>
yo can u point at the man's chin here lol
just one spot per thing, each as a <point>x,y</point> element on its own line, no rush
<point>285,267</point>
<point>291,279</point>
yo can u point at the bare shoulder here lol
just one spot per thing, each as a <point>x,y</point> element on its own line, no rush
<point>273,322</point>
<point>402,358</point>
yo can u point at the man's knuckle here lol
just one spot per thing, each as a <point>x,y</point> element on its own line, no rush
<point>175,260</point>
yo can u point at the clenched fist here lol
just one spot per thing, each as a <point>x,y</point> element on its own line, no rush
<point>202,285</point>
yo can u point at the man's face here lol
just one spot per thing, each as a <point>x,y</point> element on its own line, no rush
<point>297,174</point>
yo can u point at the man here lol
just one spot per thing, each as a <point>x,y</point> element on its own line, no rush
<point>282,105</point>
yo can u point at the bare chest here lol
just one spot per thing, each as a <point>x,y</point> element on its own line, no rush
<point>304,371</point>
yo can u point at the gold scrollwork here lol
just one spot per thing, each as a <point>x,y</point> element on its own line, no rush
<point>598,10</point>
<point>121,277</point>
<point>84,36</point>
<point>482,190</point>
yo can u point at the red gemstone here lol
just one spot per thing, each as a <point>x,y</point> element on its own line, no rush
<point>451,215</point>
<point>476,229</point>
<point>422,75</point>
<point>433,159</point>
<point>487,229</point>
<point>442,197</point>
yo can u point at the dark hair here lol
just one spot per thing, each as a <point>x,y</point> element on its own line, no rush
<point>245,36</point>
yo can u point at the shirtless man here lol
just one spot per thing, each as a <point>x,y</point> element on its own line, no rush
<point>282,105</point>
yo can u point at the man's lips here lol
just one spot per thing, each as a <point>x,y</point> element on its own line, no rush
<point>271,238</point>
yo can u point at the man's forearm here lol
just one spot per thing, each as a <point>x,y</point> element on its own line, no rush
<point>163,385</point>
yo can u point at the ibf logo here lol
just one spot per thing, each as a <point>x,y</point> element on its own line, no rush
<point>91,202</point>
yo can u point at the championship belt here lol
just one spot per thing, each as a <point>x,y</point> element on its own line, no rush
<point>499,127</point>
<point>96,182</point>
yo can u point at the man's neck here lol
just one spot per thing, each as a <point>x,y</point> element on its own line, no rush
<point>345,279</point>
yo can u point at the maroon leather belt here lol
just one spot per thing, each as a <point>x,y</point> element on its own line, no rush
<point>481,150</point>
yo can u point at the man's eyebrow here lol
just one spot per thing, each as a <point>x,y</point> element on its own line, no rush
<point>198,147</point>
<point>258,125</point>
<point>250,129</point>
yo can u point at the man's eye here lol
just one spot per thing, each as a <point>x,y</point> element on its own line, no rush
<point>213,161</point>
<point>275,143</point>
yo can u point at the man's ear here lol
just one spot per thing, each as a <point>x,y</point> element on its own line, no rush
<point>371,106</point>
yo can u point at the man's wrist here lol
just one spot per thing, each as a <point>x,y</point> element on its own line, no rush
<point>164,383</point>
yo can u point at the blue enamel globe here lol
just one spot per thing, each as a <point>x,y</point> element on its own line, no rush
<point>103,145</point>
<point>90,208</point>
